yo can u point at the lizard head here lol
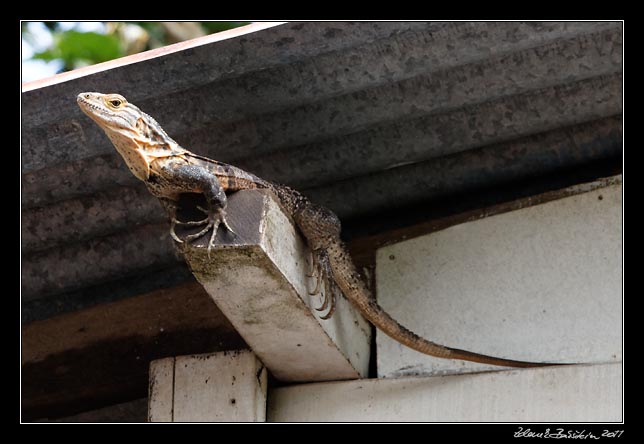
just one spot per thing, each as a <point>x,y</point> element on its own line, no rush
<point>109,110</point>
<point>135,135</point>
<point>116,116</point>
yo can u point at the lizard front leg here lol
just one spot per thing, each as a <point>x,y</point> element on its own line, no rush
<point>185,178</point>
<point>171,206</point>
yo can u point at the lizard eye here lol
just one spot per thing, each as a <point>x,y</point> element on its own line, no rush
<point>115,103</point>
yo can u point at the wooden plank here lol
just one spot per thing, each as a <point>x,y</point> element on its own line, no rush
<point>161,390</point>
<point>99,356</point>
<point>214,387</point>
<point>542,283</point>
<point>259,281</point>
<point>576,393</point>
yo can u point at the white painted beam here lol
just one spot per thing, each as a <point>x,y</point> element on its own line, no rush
<point>259,281</point>
<point>541,283</point>
<point>579,393</point>
<point>226,386</point>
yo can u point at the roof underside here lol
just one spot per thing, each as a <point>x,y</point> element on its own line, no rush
<point>362,117</point>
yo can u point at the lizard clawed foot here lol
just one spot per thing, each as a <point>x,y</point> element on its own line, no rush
<point>316,273</point>
<point>212,222</point>
<point>174,222</point>
<point>313,272</point>
<point>321,270</point>
<point>334,291</point>
<point>220,214</point>
<point>318,282</point>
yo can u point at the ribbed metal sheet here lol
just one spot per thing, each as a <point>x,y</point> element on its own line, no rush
<point>360,116</point>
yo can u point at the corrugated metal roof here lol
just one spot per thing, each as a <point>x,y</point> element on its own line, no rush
<point>362,117</point>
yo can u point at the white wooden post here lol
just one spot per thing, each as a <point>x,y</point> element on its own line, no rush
<point>227,386</point>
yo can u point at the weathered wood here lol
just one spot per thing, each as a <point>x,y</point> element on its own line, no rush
<point>576,393</point>
<point>228,386</point>
<point>259,281</point>
<point>161,390</point>
<point>99,356</point>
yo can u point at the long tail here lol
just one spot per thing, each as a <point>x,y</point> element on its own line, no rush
<point>354,288</point>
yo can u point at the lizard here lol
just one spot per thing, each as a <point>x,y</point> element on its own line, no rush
<point>169,170</point>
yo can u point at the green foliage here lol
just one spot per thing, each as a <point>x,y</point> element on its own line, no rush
<point>154,30</point>
<point>77,49</point>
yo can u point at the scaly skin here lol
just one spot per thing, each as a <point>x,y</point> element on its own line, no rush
<point>168,170</point>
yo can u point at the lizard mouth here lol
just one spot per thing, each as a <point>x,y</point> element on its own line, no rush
<point>98,112</point>
<point>85,103</point>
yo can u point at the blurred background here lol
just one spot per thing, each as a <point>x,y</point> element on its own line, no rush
<point>49,48</point>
